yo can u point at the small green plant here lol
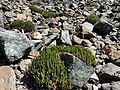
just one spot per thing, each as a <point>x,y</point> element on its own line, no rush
<point>92,19</point>
<point>48,72</point>
<point>50,33</point>
<point>22,24</point>
<point>45,14</point>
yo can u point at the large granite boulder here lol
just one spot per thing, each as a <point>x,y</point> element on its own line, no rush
<point>13,45</point>
<point>102,27</point>
<point>78,72</point>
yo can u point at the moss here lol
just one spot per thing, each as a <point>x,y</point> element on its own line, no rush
<point>92,19</point>
<point>47,71</point>
<point>22,24</point>
<point>45,14</point>
<point>50,33</point>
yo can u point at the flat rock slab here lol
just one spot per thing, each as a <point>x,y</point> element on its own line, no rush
<point>7,78</point>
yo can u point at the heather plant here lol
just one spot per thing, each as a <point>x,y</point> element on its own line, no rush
<point>48,72</point>
<point>44,13</point>
<point>28,26</point>
<point>92,19</point>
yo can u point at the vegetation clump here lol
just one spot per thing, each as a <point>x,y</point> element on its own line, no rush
<point>44,13</point>
<point>22,24</point>
<point>48,72</point>
<point>92,19</point>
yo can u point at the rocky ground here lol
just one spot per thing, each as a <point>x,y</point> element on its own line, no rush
<point>69,27</point>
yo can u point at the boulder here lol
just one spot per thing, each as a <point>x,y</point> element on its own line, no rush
<point>7,78</point>
<point>13,45</point>
<point>109,73</point>
<point>78,72</point>
<point>102,27</point>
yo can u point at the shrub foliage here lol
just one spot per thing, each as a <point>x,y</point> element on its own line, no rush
<point>92,19</point>
<point>45,14</point>
<point>22,24</point>
<point>48,71</point>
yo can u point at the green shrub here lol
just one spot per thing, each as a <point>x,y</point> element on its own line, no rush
<point>92,19</point>
<point>22,24</point>
<point>47,71</point>
<point>79,51</point>
<point>45,14</point>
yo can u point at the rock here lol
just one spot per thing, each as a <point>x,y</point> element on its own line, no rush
<point>13,45</point>
<point>117,62</point>
<point>112,52</point>
<point>24,64</point>
<point>106,86</point>
<point>79,72</point>
<point>115,85</point>
<point>10,14</point>
<point>87,27</point>
<point>94,87</point>
<point>1,19</point>
<point>24,17</point>
<point>109,73</point>
<point>89,86</point>
<point>7,78</point>
<point>76,39</point>
<point>36,35</point>
<point>65,37</point>
<point>102,27</point>
<point>86,43</point>
<point>94,78</point>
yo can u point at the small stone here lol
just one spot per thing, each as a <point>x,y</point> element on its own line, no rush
<point>24,64</point>
<point>76,39</point>
<point>34,53</point>
<point>94,78</point>
<point>106,86</point>
<point>94,87</point>
<point>87,27</point>
<point>86,43</point>
<point>10,14</point>
<point>36,35</point>
<point>7,78</point>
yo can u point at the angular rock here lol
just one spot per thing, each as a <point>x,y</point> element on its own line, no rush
<point>65,37</point>
<point>24,64</point>
<point>115,85</point>
<point>79,73</point>
<point>94,78</point>
<point>13,45</point>
<point>106,86</point>
<point>109,73</point>
<point>7,78</point>
<point>1,19</point>
<point>10,14</point>
<point>36,35</point>
<point>76,39</point>
<point>86,43</point>
<point>102,27</point>
<point>87,27</point>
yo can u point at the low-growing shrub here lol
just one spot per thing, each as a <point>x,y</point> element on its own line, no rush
<point>48,72</point>
<point>45,14</point>
<point>28,26</point>
<point>92,19</point>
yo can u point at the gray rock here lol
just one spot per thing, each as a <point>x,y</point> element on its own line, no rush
<point>106,86</point>
<point>109,73</point>
<point>94,78</point>
<point>115,85</point>
<point>94,87</point>
<point>65,37</point>
<point>9,14</point>
<point>79,73</point>
<point>87,27</point>
<point>7,78</point>
<point>14,45</point>
<point>102,27</point>
<point>1,19</point>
